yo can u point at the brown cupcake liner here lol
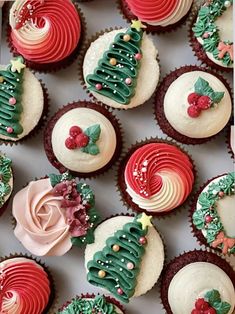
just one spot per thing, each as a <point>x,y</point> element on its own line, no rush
<point>129,16</point>
<point>54,66</point>
<point>159,104</point>
<point>107,112</point>
<point>196,232</point>
<point>53,299</point>
<point>41,122</point>
<point>92,296</point>
<point>228,142</point>
<point>197,48</point>
<point>126,199</point>
<point>187,258</point>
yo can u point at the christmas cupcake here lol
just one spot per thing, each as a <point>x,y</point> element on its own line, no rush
<point>159,16</point>
<point>211,34</point>
<point>193,104</point>
<point>198,282</point>
<point>123,253</point>
<point>23,102</point>
<point>84,138</point>
<point>57,213</point>
<point>6,181</point>
<point>46,33</point>
<point>120,67</point>
<point>212,215</point>
<point>231,141</point>
<point>26,286</point>
<point>155,176</point>
<point>89,303</point>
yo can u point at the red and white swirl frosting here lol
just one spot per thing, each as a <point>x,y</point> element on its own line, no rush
<point>159,177</point>
<point>44,31</point>
<point>159,12</point>
<point>25,288</point>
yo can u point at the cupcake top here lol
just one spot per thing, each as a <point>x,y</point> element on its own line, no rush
<point>120,67</point>
<point>214,213</point>
<point>6,179</point>
<point>25,287</point>
<point>158,177</point>
<point>40,29</point>
<point>21,100</point>
<point>124,251</point>
<point>58,213</point>
<point>197,104</point>
<point>214,31</point>
<point>155,12</point>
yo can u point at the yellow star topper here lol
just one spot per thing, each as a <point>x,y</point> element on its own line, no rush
<point>137,24</point>
<point>17,65</point>
<point>145,221</point>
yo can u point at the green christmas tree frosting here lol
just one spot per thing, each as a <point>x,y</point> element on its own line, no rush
<point>117,266</point>
<point>99,305</point>
<point>11,89</point>
<point>116,74</point>
<point>5,177</point>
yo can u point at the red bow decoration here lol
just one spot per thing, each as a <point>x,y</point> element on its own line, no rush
<point>223,48</point>
<point>228,243</point>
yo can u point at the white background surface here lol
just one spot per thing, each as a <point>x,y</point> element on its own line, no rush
<point>29,160</point>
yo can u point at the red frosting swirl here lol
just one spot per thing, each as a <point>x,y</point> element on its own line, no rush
<point>45,31</point>
<point>144,169</point>
<point>25,288</point>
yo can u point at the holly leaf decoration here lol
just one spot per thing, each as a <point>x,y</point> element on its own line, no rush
<point>202,87</point>
<point>199,219</point>
<point>86,192</point>
<point>221,307</point>
<point>55,179</point>
<point>217,97</point>
<point>91,149</point>
<point>94,217</point>
<point>94,133</point>
<point>87,239</point>
<point>213,296</point>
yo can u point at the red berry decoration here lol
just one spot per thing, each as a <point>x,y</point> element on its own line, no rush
<point>208,218</point>
<point>196,311</point>
<point>74,131</point>
<point>193,98</point>
<point>70,143</point>
<point>193,111</point>
<point>81,140</point>
<point>204,102</point>
<point>211,310</point>
<point>221,193</point>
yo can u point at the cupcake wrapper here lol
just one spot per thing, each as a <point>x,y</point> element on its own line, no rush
<point>41,122</point>
<point>228,142</point>
<point>121,185</point>
<point>159,104</point>
<point>129,16</point>
<point>55,66</point>
<point>186,258</point>
<point>197,48</point>
<point>107,112</point>
<point>53,299</point>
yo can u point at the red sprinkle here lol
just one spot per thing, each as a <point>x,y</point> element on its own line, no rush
<point>81,140</point>
<point>204,102</point>
<point>98,86</point>
<point>70,143</point>
<point>12,101</point>
<point>74,131</point>
<point>9,129</point>
<point>142,240</point>
<point>221,193</point>
<point>208,218</point>
<point>193,111</point>
<point>120,291</point>
<point>138,56</point>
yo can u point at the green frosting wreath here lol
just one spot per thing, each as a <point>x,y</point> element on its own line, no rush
<point>206,28</point>
<point>206,216</point>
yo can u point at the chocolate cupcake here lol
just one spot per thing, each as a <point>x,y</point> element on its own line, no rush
<point>211,34</point>
<point>23,102</point>
<point>83,137</point>
<point>193,104</point>
<point>230,141</point>
<point>212,215</point>
<point>6,182</point>
<point>198,282</point>
<point>155,176</point>
<point>58,213</point>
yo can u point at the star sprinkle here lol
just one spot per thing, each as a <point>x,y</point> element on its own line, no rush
<point>137,24</point>
<point>145,221</point>
<point>17,65</point>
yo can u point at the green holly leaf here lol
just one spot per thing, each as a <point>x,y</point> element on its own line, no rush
<point>199,219</point>
<point>94,216</point>
<point>91,149</point>
<point>94,133</point>
<point>81,241</point>
<point>221,307</point>
<point>217,96</point>
<point>86,192</point>
<point>213,296</point>
<point>201,86</point>
<point>55,179</point>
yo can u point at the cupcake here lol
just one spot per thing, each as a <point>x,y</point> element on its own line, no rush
<point>193,104</point>
<point>26,286</point>
<point>231,141</point>
<point>23,102</point>
<point>83,137</point>
<point>89,303</point>
<point>159,16</point>
<point>120,67</point>
<point>212,215</point>
<point>156,177</point>
<point>46,33</point>
<point>198,282</point>
<point>57,213</point>
<point>123,253</point>
<point>6,181</point>
<point>211,34</point>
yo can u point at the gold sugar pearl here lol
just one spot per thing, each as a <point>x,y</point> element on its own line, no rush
<point>1,79</point>
<point>113,61</point>
<point>116,248</point>
<point>126,37</point>
<point>101,273</point>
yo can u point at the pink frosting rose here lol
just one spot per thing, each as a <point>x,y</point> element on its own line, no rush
<point>41,222</point>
